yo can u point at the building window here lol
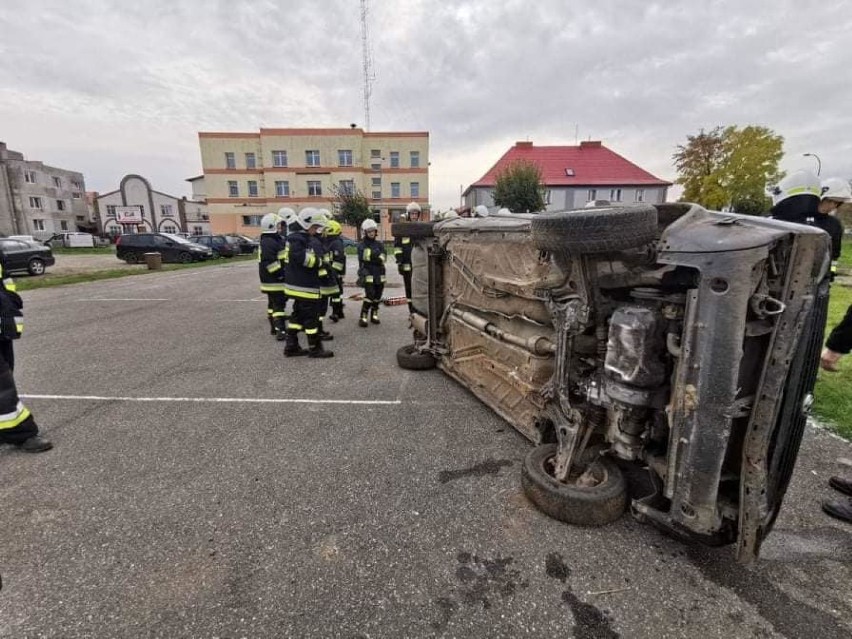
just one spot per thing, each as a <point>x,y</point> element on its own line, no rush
<point>547,196</point>
<point>415,159</point>
<point>252,188</point>
<point>344,157</point>
<point>60,205</point>
<point>57,182</point>
<point>375,153</point>
<point>233,189</point>
<point>279,158</point>
<point>35,202</point>
<point>76,195</point>
<point>615,195</point>
<point>347,187</point>
<point>394,159</point>
<point>38,225</point>
<point>377,181</point>
<point>314,188</point>
<point>640,195</point>
<point>312,158</point>
<point>76,184</point>
<point>169,228</point>
<point>282,188</point>
<point>166,210</point>
<point>110,210</point>
<point>63,225</point>
<point>230,161</point>
<point>251,220</point>
<point>415,189</point>
<point>376,166</point>
<point>30,177</point>
<point>593,195</point>
<point>197,230</point>
<point>377,195</point>
<point>251,161</point>
<point>395,189</point>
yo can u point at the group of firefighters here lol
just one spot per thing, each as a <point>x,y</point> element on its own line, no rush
<point>302,258</point>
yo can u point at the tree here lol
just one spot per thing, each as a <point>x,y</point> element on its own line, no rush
<point>352,207</point>
<point>730,167</point>
<point>519,187</point>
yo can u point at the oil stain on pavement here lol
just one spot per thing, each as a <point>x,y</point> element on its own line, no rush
<point>589,621</point>
<point>488,467</point>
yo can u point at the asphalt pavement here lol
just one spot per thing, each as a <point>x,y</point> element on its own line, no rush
<point>202,485</point>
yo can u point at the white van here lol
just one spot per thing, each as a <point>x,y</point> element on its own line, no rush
<point>72,240</point>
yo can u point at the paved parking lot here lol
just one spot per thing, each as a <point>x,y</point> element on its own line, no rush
<point>204,486</point>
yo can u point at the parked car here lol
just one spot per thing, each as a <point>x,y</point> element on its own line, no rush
<point>246,244</point>
<point>347,242</point>
<point>219,244</point>
<point>132,247</point>
<point>23,255</point>
<point>672,341</point>
<point>71,240</point>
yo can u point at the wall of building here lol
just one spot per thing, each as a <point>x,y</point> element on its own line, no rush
<point>568,198</point>
<point>135,190</point>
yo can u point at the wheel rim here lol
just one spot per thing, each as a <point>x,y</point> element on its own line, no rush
<point>132,258</point>
<point>185,258</point>
<point>37,267</point>
<point>595,472</point>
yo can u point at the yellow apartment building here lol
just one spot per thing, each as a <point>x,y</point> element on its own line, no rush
<point>249,174</point>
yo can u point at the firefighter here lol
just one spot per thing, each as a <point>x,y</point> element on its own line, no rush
<point>303,260</point>
<point>371,263</point>
<point>328,282</point>
<point>835,193</point>
<point>17,425</point>
<point>337,260</point>
<point>402,252</point>
<point>270,259</point>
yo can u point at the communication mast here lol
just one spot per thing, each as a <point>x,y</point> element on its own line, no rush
<point>368,71</point>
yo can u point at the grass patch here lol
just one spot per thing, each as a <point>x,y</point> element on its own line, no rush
<point>95,250</point>
<point>833,393</point>
<point>845,261</point>
<point>48,280</point>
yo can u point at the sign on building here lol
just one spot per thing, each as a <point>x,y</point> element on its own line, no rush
<point>128,214</point>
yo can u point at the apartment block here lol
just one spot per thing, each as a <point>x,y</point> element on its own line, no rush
<point>40,200</point>
<point>249,174</point>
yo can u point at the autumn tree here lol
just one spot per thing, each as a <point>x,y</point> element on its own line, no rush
<point>729,167</point>
<point>519,188</point>
<point>352,206</point>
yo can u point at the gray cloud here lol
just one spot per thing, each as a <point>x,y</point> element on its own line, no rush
<point>112,87</point>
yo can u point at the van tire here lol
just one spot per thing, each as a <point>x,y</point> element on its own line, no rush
<point>590,231</point>
<point>411,359</point>
<point>131,258</point>
<point>184,257</point>
<point>596,505</point>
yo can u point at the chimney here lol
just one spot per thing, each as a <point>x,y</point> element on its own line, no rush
<point>590,144</point>
<point>524,145</point>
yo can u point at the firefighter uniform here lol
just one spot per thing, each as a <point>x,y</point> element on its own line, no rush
<point>336,254</point>
<point>371,261</point>
<point>17,425</point>
<point>270,259</point>
<point>402,253</point>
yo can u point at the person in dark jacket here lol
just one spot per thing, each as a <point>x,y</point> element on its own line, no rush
<point>839,343</point>
<point>328,281</point>
<point>17,424</point>
<point>336,254</point>
<point>270,258</point>
<point>371,263</point>
<point>303,260</point>
<point>402,252</point>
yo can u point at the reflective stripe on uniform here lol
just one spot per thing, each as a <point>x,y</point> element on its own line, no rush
<point>368,253</point>
<point>326,291</point>
<point>338,266</point>
<point>295,327</point>
<point>323,272</point>
<point>279,314</point>
<point>310,259</point>
<point>274,267</point>
<point>9,285</point>
<point>406,240</point>
<point>406,267</point>
<point>272,288</point>
<point>397,251</point>
<point>10,420</point>
<point>282,254</point>
<point>302,293</point>
<point>382,257</point>
<point>805,189</point>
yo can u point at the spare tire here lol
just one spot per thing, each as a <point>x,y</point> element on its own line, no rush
<point>595,505</point>
<point>414,230</point>
<point>411,359</point>
<point>603,230</point>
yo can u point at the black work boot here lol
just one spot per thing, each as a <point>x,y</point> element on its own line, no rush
<point>316,347</point>
<point>365,310</point>
<point>374,314</point>
<point>292,348</point>
<point>841,509</point>
<point>280,329</point>
<point>843,485</point>
<point>324,335</point>
<point>34,444</point>
<point>336,312</point>
<point>271,324</point>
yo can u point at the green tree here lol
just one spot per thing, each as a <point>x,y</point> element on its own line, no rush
<point>352,207</point>
<point>729,167</point>
<point>519,188</point>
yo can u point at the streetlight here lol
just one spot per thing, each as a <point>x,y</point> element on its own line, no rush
<point>814,155</point>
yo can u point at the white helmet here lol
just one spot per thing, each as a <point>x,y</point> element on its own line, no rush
<point>798,183</point>
<point>325,213</point>
<point>310,217</point>
<point>287,214</point>
<point>269,223</point>
<point>836,189</point>
<point>412,206</point>
<point>480,211</point>
<point>450,215</point>
<point>504,211</point>
<point>369,225</point>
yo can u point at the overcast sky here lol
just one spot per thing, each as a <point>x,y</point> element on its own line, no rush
<point>123,86</point>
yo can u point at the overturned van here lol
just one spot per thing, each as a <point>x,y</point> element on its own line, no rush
<point>671,339</point>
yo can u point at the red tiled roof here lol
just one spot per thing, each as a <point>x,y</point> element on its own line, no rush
<point>591,163</point>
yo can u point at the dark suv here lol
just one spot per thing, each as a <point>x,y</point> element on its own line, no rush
<point>671,343</point>
<point>132,248</point>
<point>221,245</point>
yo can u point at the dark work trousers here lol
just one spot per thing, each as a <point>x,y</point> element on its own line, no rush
<point>840,340</point>
<point>276,304</point>
<point>373,294</point>
<point>322,306</point>
<point>305,316</point>
<point>406,280</point>
<point>9,400</point>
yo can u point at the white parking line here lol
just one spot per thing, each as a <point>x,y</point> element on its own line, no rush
<point>234,400</point>
<point>161,299</point>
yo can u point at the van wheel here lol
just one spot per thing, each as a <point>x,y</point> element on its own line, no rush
<point>409,358</point>
<point>131,258</point>
<point>184,258</point>
<point>35,266</point>
<point>590,231</point>
<point>601,499</point>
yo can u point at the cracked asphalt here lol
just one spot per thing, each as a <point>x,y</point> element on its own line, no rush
<point>398,516</point>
